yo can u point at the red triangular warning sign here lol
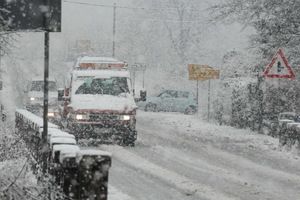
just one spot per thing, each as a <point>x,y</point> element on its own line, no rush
<point>279,67</point>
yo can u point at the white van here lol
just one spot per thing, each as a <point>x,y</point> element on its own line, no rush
<point>35,96</point>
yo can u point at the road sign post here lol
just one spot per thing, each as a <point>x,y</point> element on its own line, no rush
<point>208,100</point>
<point>201,73</point>
<point>134,69</point>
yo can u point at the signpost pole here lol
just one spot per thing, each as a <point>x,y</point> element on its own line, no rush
<point>203,72</point>
<point>197,94</point>
<point>208,101</point>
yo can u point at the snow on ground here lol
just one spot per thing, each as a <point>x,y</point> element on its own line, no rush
<point>182,157</point>
<point>187,186</point>
<point>115,194</point>
<point>18,180</point>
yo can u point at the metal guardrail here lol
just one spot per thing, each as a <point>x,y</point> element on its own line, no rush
<point>81,173</point>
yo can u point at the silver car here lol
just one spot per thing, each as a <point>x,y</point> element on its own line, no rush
<point>171,101</point>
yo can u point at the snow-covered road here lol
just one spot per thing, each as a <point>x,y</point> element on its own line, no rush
<point>182,157</point>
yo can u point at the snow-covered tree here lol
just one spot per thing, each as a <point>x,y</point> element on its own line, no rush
<point>275,21</point>
<point>276,25</point>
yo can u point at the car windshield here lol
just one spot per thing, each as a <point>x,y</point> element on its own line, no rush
<point>109,86</point>
<point>38,86</point>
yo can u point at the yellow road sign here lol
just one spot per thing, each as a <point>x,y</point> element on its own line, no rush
<point>202,72</point>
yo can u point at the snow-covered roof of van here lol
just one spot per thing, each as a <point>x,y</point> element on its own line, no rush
<point>91,59</point>
<point>102,73</point>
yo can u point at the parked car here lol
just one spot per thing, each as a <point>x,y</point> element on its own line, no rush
<point>286,126</point>
<point>171,101</point>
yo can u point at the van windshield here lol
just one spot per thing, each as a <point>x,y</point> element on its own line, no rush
<point>109,86</point>
<point>38,86</point>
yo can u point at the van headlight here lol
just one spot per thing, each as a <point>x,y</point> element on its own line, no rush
<point>32,98</point>
<point>82,117</point>
<point>125,117</point>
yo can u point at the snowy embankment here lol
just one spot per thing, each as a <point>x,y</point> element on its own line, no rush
<point>183,157</point>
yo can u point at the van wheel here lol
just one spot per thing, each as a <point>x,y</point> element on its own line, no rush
<point>151,107</point>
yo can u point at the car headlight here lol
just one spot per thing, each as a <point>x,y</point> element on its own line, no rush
<point>125,117</point>
<point>50,114</point>
<point>32,98</point>
<point>82,117</point>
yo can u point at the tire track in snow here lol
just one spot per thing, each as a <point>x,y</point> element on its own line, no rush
<point>188,186</point>
<point>245,143</point>
<point>140,185</point>
<point>270,177</point>
<point>242,162</point>
<point>237,184</point>
<point>115,194</point>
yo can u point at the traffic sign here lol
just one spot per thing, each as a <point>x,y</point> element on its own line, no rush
<point>279,67</point>
<point>202,72</point>
<point>30,15</point>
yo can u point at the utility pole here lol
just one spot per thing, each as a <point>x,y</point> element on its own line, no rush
<point>0,52</point>
<point>114,30</point>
